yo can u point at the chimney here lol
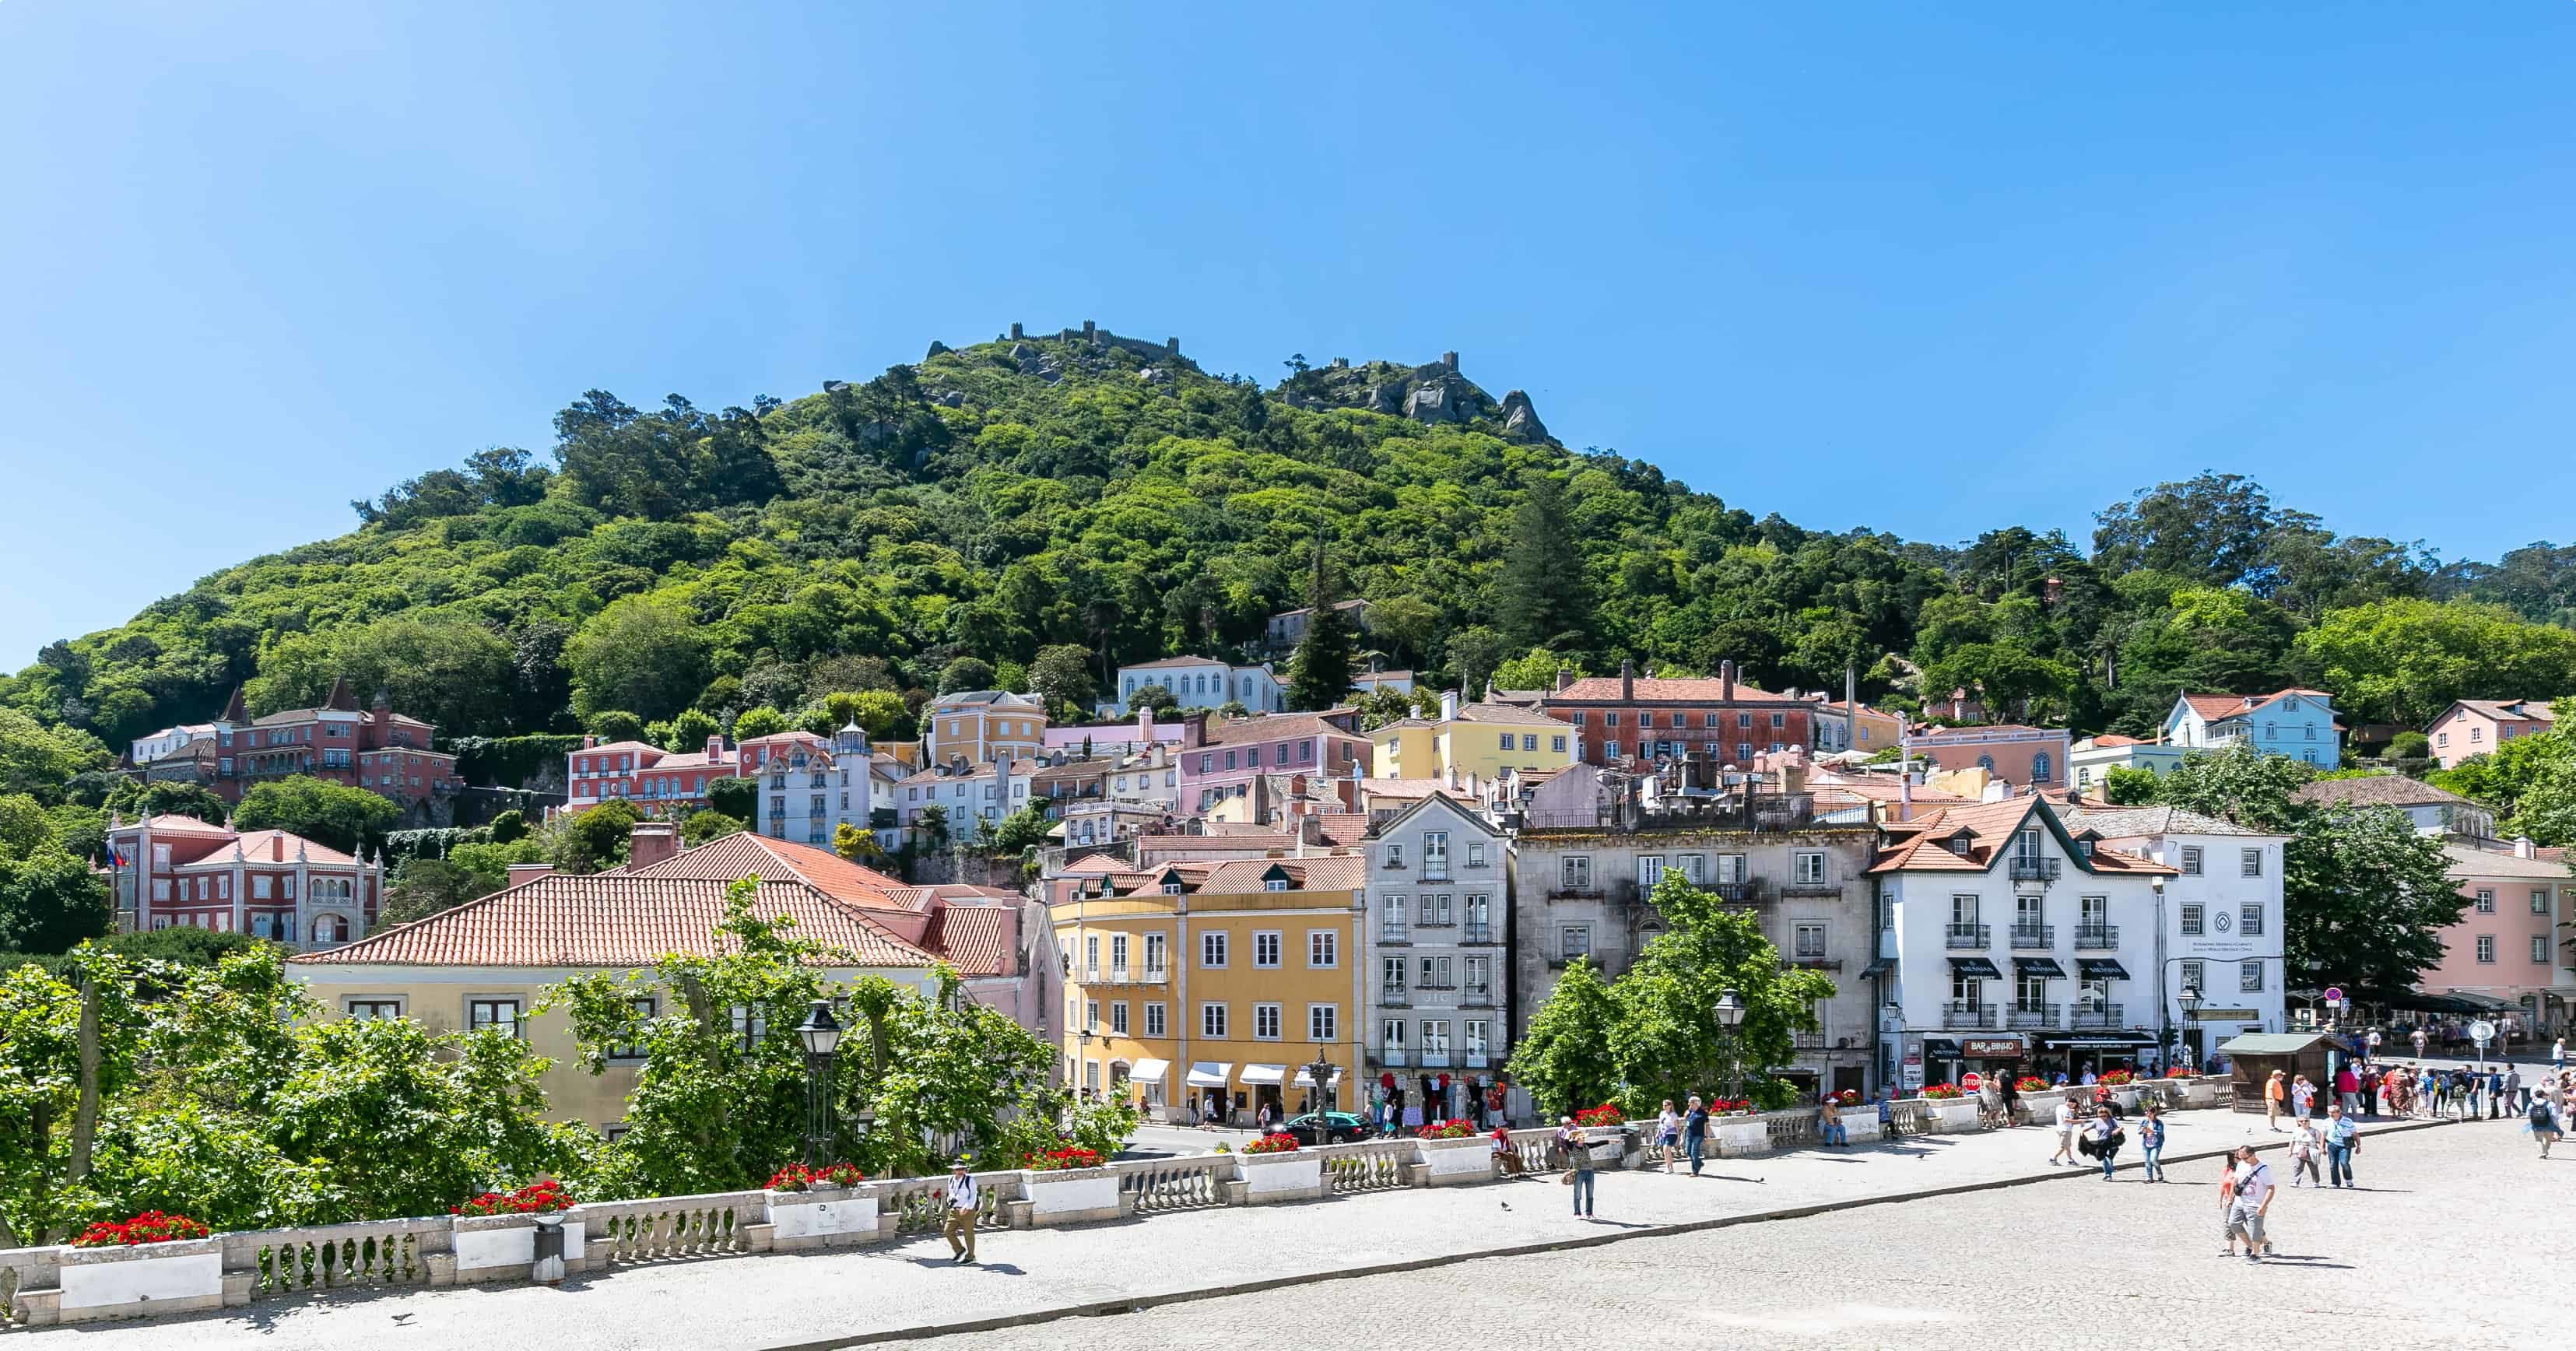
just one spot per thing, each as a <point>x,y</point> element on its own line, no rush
<point>1564,679</point>
<point>715,748</point>
<point>1144,728</point>
<point>1193,731</point>
<point>1851,705</point>
<point>588,742</point>
<point>528,872</point>
<point>2522,847</point>
<point>1726,681</point>
<point>1627,681</point>
<point>1448,705</point>
<point>652,842</point>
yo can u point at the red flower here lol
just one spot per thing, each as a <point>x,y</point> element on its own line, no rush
<point>2179,1072</point>
<point>1938,1091</point>
<point>796,1177</point>
<point>1057,1160</point>
<point>149,1227</point>
<point>542,1196</point>
<point>2030,1083</point>
<point>1277,1142</point>
<point>1607,1114</point>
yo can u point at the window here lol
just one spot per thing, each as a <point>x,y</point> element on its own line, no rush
<point>1091,1015</point>
<point>1394,855</point>
<point>2191,921</point>
<point>2191,860</point>
<point>1480,1035</point>
<point>1557,744</point>
<point>1650,870</point>
<point>1118,953</point>
<point>1810,940</point>
<point>1435,853</point>
<point>1212,1021</point>
<point>1212,949</point>
<point>1580,717</point>
<point>2191,977</point>
<point>1965,989</point>
<point>1154,960</point>
<point>1507,741</point>
<point>1963,909</point>
<point>1091,956</point>
<point>1265,949</point>
<point>2030,992</point>
<point>1808,866</point>
<point>1779,720</point>
<point>2486,900</point>
<point>260,885</point>
<point>1391,1035</point>
<point>2250,863</point>
<point>1435,1036</point>
<point>631,1054</point>
<point>1476,855</point>
<point>1118,1017</point>
<point>2249,921</point>
<point>2249,977</point>
<point>1153,1020</point>
<point>368,1010</point>
<point>1743,719</point>
<point>1609,719</point>
<point>749,1027</point>
<point>500,1013</point>
<point>1744,752</point>
<point>2040,767</point>
<point>2540,949</point>
<point>1265,1022</point>
<point>1323,1022</point>
<point>2540,900</point>
<point>1323,949</point>
<point>1436,974</point>
<point>2486,949</point>
<point>1574,940</point>
<point>1391,975</point>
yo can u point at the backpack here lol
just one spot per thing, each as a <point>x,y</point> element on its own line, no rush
<point>2539,1113</point>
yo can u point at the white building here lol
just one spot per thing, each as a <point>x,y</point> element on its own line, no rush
<point>965,793</point>
<point>146,749</point>
<point>2095,757</point>
<point>2220,929</point>
<point>809,787</point>
<point>1439,974</point>
<point>1202,682</point>
<point>2017,946</point>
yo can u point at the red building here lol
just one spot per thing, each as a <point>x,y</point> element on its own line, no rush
<point>654,781</point>
<point>374,748</point>
<point>178,871</point>
<point>1625,716</point>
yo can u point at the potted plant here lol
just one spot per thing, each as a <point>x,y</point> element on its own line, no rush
<point>495,1234</point>
<point>1946,1110</point>
<point>816,1207</point>
<point>1070,1185</point>
<point>1276,1168</point>
<point>1455,1151</point>
<point>153,1263</point>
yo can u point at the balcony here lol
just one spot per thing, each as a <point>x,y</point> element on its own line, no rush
<point>1392,1057</point>
<point>1806,1041</point>
<point>1559,959</point>
<point>1395,935</point>
<point>2029,869</point>
<point>1746,892</point>
<point>1958,1014</point>
<point>1814,886</point>
<point>1395,997</point>
<point>2099,1016</point>
<point>1436,924</point>
<point>2032,1016</point>
<point>1477,997</point>
<point>1814,961</point>
<point>2034,937</point>
<point>1479,936</point>
<point>2097,937</point>
<point>1969,937</point>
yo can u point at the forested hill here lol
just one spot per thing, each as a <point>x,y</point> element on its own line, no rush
<point>998,500</point>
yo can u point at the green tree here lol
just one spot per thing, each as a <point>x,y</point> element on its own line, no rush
<point>2366,896</point>
<point>698,827</point>
<point>50,900</point>
<point>1020,832</point>
<point>24,827</point>
<point>174,799</point>
<point>1061,675</point>
<point>39,760</point>
<point>612,725</point>
<point>454,674</point>
<point>2212,529</point>
<point>593,840</point>
<point>509,826</point>
<point>1156,697</point>
<point>966,673</point>
<point>689,731</point>
<point>2409,745</point>
<point>2129,787</point>
<point>1381,706</point>
<point>2405,661</point>
<point>736,798</point>
<point>425,886</point>
<point>640,653</point>
<point>1565,1060</point>
<point>754,723</point>
<point>1475,653</point>
<point>335,816</point>
<point>1666,1038</point>
<point>1540,598</point>
<point>933,823</point>
<point>1319,671</point>
<point>1408,627</point>
<point>1534,671</point>
<point>856,845</point>
<point>2240,784</point>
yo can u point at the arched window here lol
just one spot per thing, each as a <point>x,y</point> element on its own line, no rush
<point>2039,767</point>
<point>1986,763</point>
<point>330,929</point>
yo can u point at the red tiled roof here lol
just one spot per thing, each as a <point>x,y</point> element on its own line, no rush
<point>1648,690</point>
<point>744,854</point>
<point>1334,873</point>
<point>175,824</point>
<point>973,938</point>
<point>1923,844</point>
<point>1276,727</point>
<point>615,920</point>
<point>1343,827</point>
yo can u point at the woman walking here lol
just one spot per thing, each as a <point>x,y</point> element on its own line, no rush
<point>2303,1097</point>
<point>2304,1147</point>
<point>2103,1139</point>
<point>2151,1142</point>
<point>2274,1090</point>
<point>1668,1133</point>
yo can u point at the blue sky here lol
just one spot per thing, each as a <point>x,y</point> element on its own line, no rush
<point>1926,268</point>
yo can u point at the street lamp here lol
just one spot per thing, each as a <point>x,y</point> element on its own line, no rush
<point>821,1033</point>
<point>1730,1016</point>
<point>1321,1072</point>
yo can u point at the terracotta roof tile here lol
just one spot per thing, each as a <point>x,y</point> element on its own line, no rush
<point>1648,690</point>
<point>2378,790</point>
<point>1278,727</point>
<point>745,854</point>
<point>614,920</point>
<point>975,939</point>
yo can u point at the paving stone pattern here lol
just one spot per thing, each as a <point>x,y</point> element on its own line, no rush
<point>806,1299</point>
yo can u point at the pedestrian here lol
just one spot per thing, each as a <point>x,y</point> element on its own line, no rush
<point>1887,1113</point>
<point>2304,1148</point>
<point>2103,1139</point>
<point>1829,1122</point>
<point>2012,1099</point>
<point>2541,1119</point>
<point>1576,1154</point>
<point>1695,1133</point>
<point>2343,1136</point>
<point>1990,1102</point>
<point>2516,1097</point>
<point>2348,1089</point>
<point>2374,1044</point>
<point>2151,1142</point>
<point>2065,1131</point>
<point>2558,1054</point>
<point>2303,1096</point>
<point>1668,1133</point>
<point>1507,1156</point>
<point>2418,1037</point>
<point>2227,1200</point>
<point>2250,1191</point>
<point>2274,1090</point>
<point>960,1227</point>
<point>2494,1086</point>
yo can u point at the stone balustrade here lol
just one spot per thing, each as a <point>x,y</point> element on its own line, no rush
<point>48,1285</point>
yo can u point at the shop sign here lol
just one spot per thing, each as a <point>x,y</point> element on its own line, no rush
<point>1990,1048</point>
<point>2224,1015</point>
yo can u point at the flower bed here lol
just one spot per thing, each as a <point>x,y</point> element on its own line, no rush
<point>796,1177</point>
<point>1456,1128</point>
<point>1061,1160</point>
<point>1941,1092</point>
<point>2115,1078</point>
<point>2030,1083</point>
<point>1849,1097</point>
<point>2181,1072</point>
<point>540,1197</point>
<point>1277,1142</point>
<point>1722,1106</point>
<point>1607,1114</point>
<point>149,1227</point>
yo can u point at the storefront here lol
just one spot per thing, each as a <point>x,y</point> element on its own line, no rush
<point>2003,1054</point>
<point>1207,1083</point>
<point>1262,1087</point>
<point>2075,1054</point>
<point>1148,1077</point>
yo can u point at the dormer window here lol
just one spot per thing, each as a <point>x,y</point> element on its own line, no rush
<point>1171,888</point>
<point>1274,884</point>
<point>1961,843</point>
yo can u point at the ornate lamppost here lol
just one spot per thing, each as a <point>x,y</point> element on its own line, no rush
<point>1321,1072</point>
<point>1730,1016</point>
<point>821,1033</point>
<point>2189,999</point>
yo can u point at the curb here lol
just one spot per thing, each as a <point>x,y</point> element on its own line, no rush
<point>1100,1308</point>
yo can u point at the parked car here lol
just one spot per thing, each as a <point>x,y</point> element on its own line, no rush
<point>1337,1128</point>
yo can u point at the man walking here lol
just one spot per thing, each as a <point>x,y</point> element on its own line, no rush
<point>1577,1153</point>
<point>2348,1089</point>
<point>2343,1135</point>
<point>2253,1198</point>
<point>960,1228</point>
<point>2495,1094</point>
<point>2065,1131</point>
<point>2516,1097</point>
<point>1695,1133</point>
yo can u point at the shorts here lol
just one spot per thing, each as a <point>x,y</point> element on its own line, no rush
<point>2243,1218</point>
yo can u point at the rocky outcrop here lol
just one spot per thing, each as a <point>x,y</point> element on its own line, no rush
<point>1520,421</point>
<point>937,348</point>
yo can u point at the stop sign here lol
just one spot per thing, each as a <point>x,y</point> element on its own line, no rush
<point>1971,1081</point>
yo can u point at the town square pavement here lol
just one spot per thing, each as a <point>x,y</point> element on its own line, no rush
<point>2070,1247</point>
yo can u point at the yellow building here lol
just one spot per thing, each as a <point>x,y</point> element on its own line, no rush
<point>1201,982</point>
<point>1470,744</point>
<point>488,962</point>
<point>983,727</point>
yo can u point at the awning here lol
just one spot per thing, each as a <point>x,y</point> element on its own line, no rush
<point>2486,1003</point>
<point>2060,1038</point>
<point>1306,1077</point>
<point>1879,966</point>
<point>1947,1046</point>
<point>1264,1074</point>
<point>1150,1071</point>
<point>1975,968</point>
<point>2101,968</point>
<point>1210,1073</point>
<point>2039,966</point>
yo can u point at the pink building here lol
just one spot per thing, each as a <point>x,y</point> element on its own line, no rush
<point>2025,757</point>
<point>2478,726</point>
<point>656,781</point>
<point>1223,760</point>
<point>2508,943</point>
<point>373,748</point>
<point>179,872</point>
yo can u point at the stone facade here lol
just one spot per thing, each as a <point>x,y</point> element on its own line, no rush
<point>1438,972</point>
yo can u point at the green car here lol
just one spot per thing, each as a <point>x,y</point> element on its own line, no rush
<point>1338,1128</point>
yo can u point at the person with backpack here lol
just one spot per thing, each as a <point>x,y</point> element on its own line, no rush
<point>2103,1138</point>
<point>2151,1142</point>
<point>2542,1121</point>
<point>2249,1188</point>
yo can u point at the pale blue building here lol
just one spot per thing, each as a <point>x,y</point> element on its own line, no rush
<point>2295,724</point>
